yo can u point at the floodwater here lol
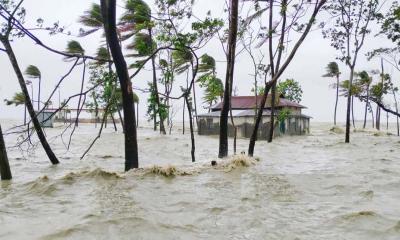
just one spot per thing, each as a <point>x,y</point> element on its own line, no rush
<point>303,187</point>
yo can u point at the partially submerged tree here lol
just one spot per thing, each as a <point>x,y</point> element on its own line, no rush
<point>231,55</point>
<point>352,19</point>
<point>5,171</point>
<point>288,22</point>
<point>108,9</point>
<point>332,71</point>
<point>7,31</point>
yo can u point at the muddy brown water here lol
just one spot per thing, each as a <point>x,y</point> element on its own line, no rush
<point>303,187</point>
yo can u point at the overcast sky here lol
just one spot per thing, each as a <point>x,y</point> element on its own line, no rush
<point>307,67</point>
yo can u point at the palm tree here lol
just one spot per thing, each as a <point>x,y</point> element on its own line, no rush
<point>332,70</point>
<point>18,99</point>
<point>214,88</point>
<point>74,47</point>
<point>91,18</point>
<point>34,72</point>
<point>364,80</point>
<point>136,22</point>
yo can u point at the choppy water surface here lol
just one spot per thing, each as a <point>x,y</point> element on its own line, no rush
<point>309,187</point>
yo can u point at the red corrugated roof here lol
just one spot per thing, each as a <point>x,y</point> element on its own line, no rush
<point>249,102</point>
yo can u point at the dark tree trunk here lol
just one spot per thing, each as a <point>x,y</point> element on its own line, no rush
<point>50,154</point>
<point>223,122</point>
<point>348,113</point>
<point>113,120</point>
<point>5,171</point>
<point>272,120</point>
<point>24,114</point>
<point>193,146</point>
<point>108,8</point>
<point>155,90</point>
<point>337,99</point>
<point>253,137</point>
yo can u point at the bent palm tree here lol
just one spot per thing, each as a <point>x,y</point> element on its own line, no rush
<point>332,70</point>
<point>136,22</point>
<point>18,99</point>
<point>34,72</point>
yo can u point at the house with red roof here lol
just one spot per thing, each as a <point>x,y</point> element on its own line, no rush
<point>289,119</point>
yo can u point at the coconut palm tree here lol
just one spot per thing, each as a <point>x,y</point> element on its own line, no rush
<point>34,72</point>
<point>91,18</point>
<point>332,70</point>
<point>74,47</point>
<point>137,25</point>
<point>214,88</point>
<point>364,81</point>
<point>18,99</point>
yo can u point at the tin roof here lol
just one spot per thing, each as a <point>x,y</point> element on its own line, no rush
<point>249,102</point>
<point>245,113</point>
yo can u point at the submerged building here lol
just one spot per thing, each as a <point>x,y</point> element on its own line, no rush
<point>289,119</point>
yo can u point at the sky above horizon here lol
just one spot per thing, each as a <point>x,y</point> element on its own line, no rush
<point>307,67</point>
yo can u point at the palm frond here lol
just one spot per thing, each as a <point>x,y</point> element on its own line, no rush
<point>92,17</point>
<point>74,47</point>
<point>33,72</point>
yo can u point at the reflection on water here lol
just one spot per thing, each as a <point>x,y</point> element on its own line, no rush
<point>311,187</point>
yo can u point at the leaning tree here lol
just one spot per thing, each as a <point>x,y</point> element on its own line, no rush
<point>352,19</point>
<point>332,71</point>
<point>280,27</point>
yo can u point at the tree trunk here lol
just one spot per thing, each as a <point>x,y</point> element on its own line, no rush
<point>155,89</point>
<point>352,111</point>
<point>113,120</point>
<point>137,114</point>
<point>40,87</point>
<point>5,171</point>
<point>223,122</point>
<point>378,118</point>
<point>193,148</point>
<point>348,112</point>
<point>195,103</point>
<point>397,111</point>
<point>183,117</point>
<point>108,8</point>
<point>337,99</point>
<point>24,114</point>
<point>372,115</point>
<point>272,120</point>
<point>50,154</point>
<point>121,120</point>
<point>366,108</point>
<point>253,137</point>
